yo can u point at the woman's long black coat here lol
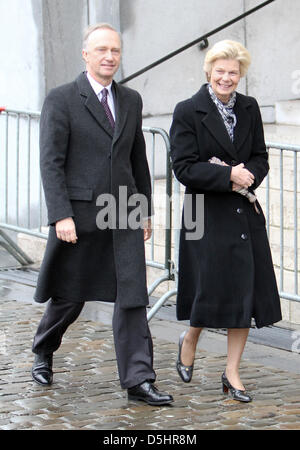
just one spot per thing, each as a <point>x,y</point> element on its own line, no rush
<point>227,276</point>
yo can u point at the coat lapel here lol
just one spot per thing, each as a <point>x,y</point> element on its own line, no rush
<point>242,127</point>
<point>92,103</point>
<point>213,121</point>
<point>121,108</point>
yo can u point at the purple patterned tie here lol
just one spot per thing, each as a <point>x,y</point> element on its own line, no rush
<point>108,113</point>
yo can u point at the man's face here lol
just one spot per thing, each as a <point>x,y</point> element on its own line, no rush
<point>103,55</point>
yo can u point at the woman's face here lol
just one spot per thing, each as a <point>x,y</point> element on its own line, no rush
<point>225,77</point>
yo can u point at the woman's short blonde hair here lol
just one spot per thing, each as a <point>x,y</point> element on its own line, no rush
<point>227,50</point>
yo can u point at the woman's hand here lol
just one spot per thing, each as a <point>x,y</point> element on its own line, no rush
<point>236,187</point>
<point>241,176</point>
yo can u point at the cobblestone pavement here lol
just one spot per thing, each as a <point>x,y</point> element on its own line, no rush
<point>86,394</point>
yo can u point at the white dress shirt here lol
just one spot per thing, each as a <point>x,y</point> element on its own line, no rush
<point>97,87</point>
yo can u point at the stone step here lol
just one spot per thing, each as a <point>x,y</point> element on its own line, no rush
<point>282,134</point>
<point>287,112</point>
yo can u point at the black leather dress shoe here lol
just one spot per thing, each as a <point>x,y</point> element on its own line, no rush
<point>237,394</point>
<point>185,372</point>
<point>148,393</point>
<point>42,369</point>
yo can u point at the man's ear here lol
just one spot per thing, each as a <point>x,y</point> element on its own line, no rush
<point>84,55</point>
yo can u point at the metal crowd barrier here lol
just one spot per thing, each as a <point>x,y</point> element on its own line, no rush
<point>285,151</point>
<point>23,209</point>
<point>168,266</point>
<point>22,205</point>
<point>19,191</point>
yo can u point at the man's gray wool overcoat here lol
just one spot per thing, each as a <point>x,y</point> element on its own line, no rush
<point>80,158</point>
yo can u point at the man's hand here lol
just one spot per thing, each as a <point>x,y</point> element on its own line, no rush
<point>147,225</point>
<point>66,231</point>
<point>241,176</point>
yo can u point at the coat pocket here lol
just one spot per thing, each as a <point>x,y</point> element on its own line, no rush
<point>132,189</point>
<point>79,193</point>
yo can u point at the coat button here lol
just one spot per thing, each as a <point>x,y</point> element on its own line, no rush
<point>234,162</point>
<point>240,210</point>
<point>244,236</point>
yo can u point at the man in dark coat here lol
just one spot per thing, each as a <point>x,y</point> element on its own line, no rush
<point>92,156</point>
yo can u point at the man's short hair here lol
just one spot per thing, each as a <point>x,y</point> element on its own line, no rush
<point>98,26</point>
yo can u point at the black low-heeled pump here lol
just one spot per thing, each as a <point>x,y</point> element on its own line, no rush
<point>185,372</point>
<point>237,394</point>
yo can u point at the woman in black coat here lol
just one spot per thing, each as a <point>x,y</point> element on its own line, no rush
<point>226,277</point>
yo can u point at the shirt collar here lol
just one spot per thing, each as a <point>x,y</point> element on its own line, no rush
<point>97,87</point>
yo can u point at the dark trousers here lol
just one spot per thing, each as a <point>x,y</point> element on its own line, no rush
<point>132,338</point>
